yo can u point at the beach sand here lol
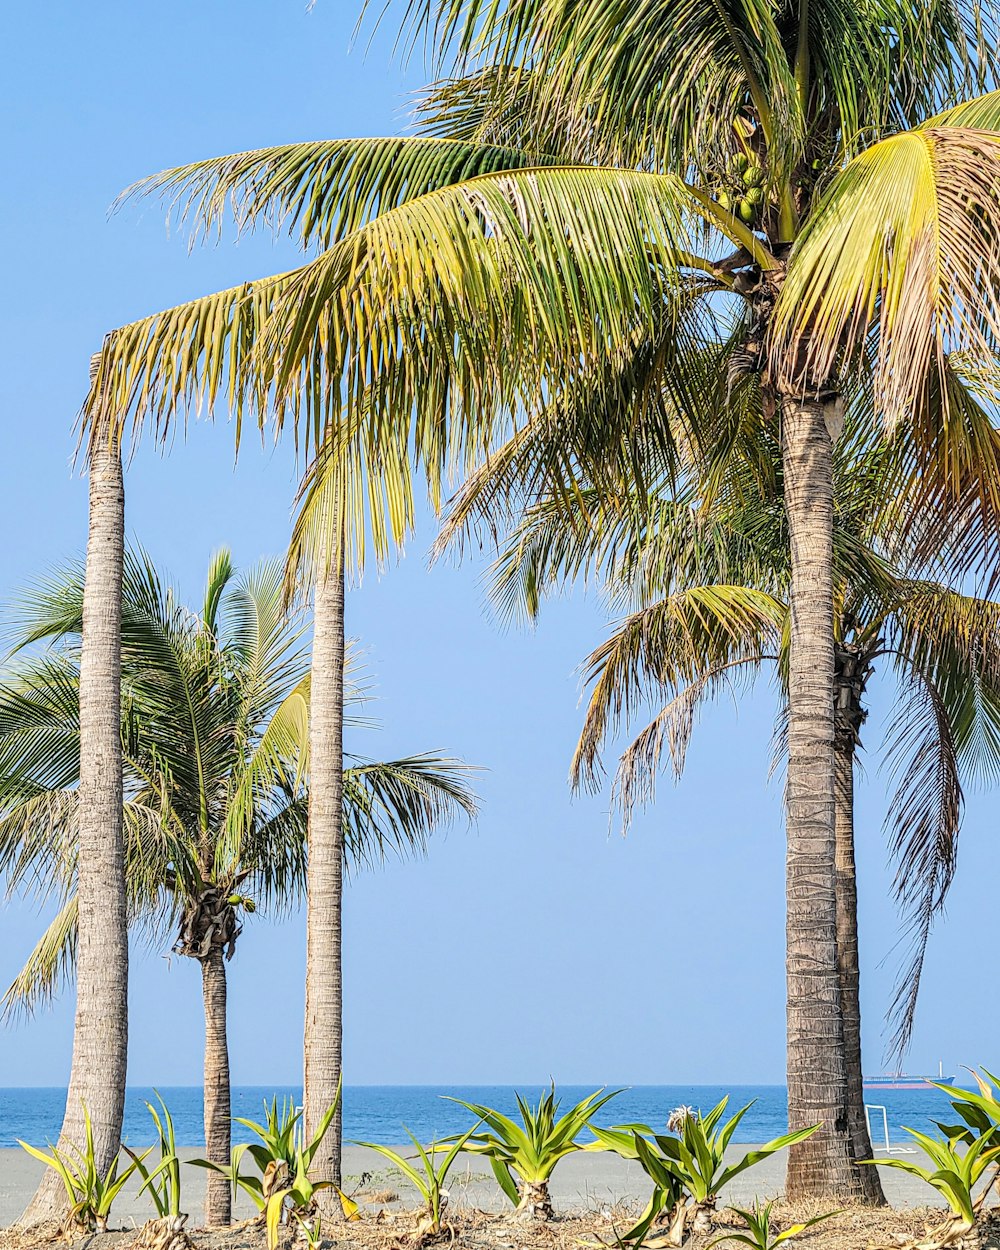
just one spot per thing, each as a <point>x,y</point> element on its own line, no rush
<point>582,1182</point>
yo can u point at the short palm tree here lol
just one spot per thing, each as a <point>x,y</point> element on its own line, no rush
<point>214,731</point>
<point>823,165</point>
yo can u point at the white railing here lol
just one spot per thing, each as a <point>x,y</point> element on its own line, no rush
<point>889,1149</point>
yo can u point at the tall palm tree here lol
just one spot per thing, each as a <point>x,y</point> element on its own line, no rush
<point>100,1032</point>
<point>705,579</point>
<point>324,1025</point>
<point>318,558</point>
<point>823,165</point>
<point>214,731</point>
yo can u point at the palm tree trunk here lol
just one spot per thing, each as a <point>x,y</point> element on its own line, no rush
<point>100,1034</point>
<point>218,1204</point>
<point>848,962</point>
<point>324,986</point>
<point>821,1166</point>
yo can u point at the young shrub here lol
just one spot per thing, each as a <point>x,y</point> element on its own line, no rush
<point>90,1194</point>
<point>955,1172</point>
<point>758,1228</point>
<point>531,1153</point>
<point>687,1169</point>
<point>430,1182</point>
<point>284,1159</point>
<point>163,1182</point>
<point>979,1113</point>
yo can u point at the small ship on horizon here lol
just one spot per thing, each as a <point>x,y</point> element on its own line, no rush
<point>907,1080</point>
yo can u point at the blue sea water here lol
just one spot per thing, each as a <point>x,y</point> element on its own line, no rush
<point>379,1112</point>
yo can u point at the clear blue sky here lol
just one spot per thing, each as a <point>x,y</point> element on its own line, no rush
<point>536,944</point>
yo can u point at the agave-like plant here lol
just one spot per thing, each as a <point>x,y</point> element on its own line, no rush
<point>89,1191</point>
<point>430,1182</point>
<point>524,1158</point>
<point>759,1236</point>
<point>979,1113</point>
<point>284,1159</point>
<point>956,1171</point>
<point>688,1167</point>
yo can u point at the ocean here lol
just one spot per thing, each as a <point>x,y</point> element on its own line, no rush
<point>379,1112</point>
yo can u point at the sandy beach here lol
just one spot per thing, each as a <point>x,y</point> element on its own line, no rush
<point>582,1182</point>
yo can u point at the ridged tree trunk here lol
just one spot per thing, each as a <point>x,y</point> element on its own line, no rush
<point>218,1202</point>
<point>822,1166</point>
<point>100,1034</point>
<point>324,985</point>
<point>851,673</point>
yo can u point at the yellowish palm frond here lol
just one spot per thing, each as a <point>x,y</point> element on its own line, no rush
<point>320,191</point>
<point>495,294</point>
<point>905,246</point>
<point>468,300</point>
<point>980,113</point>
<point>157,371</point>
<point>356,495</point>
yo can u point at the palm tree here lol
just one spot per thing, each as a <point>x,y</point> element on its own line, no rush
<point>100,1033</point>
<point>318,557</point>
<point>214,732</point>
<point>705,579</point>
<point>822,165</point>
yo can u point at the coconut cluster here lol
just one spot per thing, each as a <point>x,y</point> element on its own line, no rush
<point>744,195</point>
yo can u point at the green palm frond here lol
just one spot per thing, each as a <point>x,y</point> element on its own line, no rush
<point>319,192</point>
<point>924,821</point>
<point>47,968</point>
<point>391,807</point>
<point>666,647</point>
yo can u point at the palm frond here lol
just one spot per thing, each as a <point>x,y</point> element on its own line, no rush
<point>904,249</point>
<point>48,967</point>
<point>392,807</point>
<point>669,735</point>
<point>321,191</point>
<point>923,825</point>
<point>667,647</point>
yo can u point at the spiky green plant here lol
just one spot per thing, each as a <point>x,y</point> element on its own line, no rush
<point>162,1182</point>
<point>429,1182</point>
<point>955,1171</point>
<point>979,1112</point>
<point>759,1236</point>
<point>284,1159</point>
<point>89,1193</point>
<point>688,1166</point>
<point>524,1156</point>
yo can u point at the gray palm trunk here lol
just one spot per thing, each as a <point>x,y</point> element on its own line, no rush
<point>100,1035</point>
<point>851,673</point>
<point>208,932</point>
<point>324,986</point>
<point>823,1165</point>
<point>218,1201</point>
